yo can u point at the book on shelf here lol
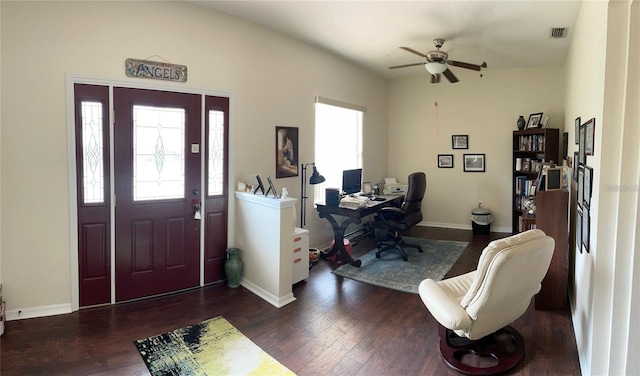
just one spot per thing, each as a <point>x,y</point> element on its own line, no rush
<point>531,142</point>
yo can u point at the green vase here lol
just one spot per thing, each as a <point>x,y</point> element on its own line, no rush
<point>233,267</point>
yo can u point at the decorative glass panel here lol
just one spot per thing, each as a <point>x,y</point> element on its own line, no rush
<point>158,153</point>
<point>92,153</point>
<point>216,153</point>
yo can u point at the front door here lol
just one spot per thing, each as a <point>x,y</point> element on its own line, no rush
<point>157,191</point>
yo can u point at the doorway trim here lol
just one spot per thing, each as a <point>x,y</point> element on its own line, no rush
<point>71,80</point>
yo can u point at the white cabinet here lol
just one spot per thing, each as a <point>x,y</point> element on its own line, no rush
<point>300,254</point>
<point>265,227</point>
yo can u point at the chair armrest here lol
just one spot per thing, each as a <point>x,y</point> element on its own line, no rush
<point>445,309</point>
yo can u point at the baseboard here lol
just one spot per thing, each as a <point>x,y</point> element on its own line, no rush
<point>29,313</point>
<point>277,302</point>
<point>462,227</point>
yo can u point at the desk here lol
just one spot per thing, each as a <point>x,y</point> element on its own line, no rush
<point>352,216</point>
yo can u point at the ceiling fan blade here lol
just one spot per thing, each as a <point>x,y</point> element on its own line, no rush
<point>414,51</point>
<point>405,65</point>
<point>467,65</point>
<point>450,76</point>
<point>435,78</point>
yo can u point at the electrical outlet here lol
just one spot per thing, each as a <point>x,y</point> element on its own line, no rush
<point>479,204</point>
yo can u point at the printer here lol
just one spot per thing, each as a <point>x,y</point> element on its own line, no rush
<point>392,186</point>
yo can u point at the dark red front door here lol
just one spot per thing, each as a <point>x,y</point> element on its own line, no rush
<point>157,181</point>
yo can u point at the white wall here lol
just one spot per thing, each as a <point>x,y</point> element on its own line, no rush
<point>273,79</point>
<point>605,86</point>
<point>485,108</point>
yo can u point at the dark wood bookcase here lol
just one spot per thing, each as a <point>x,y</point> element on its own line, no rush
<point>531,147</point>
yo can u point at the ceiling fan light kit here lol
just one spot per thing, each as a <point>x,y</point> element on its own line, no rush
<point>437,63</point>
<point>435,68</point>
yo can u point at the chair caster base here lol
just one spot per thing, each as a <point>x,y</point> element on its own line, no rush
<point>498,352</point>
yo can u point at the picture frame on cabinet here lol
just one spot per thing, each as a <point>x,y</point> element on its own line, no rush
<point>589,129</point>
<point>586,223</point>
<point>534,120</point>
<point>460,141</point>
<point>474,162</point>
<point>577,134</point>
<point>445,160</point>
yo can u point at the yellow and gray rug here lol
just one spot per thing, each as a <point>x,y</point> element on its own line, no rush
<point>212,347</point>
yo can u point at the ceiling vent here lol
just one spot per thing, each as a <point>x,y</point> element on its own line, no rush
<point>558,32</point>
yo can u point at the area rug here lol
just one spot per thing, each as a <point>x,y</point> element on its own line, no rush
<point>212,347</point>
<point>392,272</point>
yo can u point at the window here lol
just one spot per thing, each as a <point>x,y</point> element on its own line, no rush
<point>338,142</point>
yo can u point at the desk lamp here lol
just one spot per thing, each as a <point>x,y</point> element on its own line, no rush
<point>315,178</point>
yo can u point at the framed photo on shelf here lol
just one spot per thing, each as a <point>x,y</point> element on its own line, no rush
<point>534,120</point>
<point>588,181</point>
<point>474,162</point>
<point>460,141</point>
<point>585,228</point>
<point>589,130</point>
<point>445,160</point>
<point>577,134</point>
<point>286,152</point>
<point>553,180</point>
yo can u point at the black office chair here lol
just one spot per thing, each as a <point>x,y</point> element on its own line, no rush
<point>390,221</point>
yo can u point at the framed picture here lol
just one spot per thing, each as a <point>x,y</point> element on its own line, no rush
<point>445,160</point>
<point>553,181</point>
<point>580,185</point>
<point>286,152</point>
<point>565,145</point>
<point>588,181</point>
<point>579,231</point>
<point>577,135</point>
<point>585,228</point>
<point>589,129</point>
<point>576,164</point>
<point>474,162</point>
<point>534,120</point>
<point>583,158</point>
<point>366,188</point>
<point>460,141</point>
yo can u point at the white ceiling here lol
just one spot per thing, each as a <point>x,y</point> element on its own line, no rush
<point>505,34</point>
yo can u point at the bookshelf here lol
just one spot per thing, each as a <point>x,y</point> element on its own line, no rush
<point>531,147</point>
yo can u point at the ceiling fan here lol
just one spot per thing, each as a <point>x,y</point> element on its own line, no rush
<point>438,63</point>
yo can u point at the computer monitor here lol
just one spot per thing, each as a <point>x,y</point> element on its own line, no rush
<point>352,181</point>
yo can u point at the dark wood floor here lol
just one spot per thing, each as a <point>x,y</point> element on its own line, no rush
<point>336,326</point>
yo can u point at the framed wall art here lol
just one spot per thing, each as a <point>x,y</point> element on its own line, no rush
<point>586,185</point>
<point>589,130</point>
<point>579,230</point>
<point>577,134</point>
<point>460,141</point>
<point>581,154</point>
<point>286,152</point>
<point>586,223</point>
<point>445,160</point>
<point>474,162</point>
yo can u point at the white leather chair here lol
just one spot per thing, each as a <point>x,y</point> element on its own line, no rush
<point>476,308</point>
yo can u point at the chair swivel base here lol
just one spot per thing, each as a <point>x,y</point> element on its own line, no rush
<point>499,351</point>
<point>399,247</point>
